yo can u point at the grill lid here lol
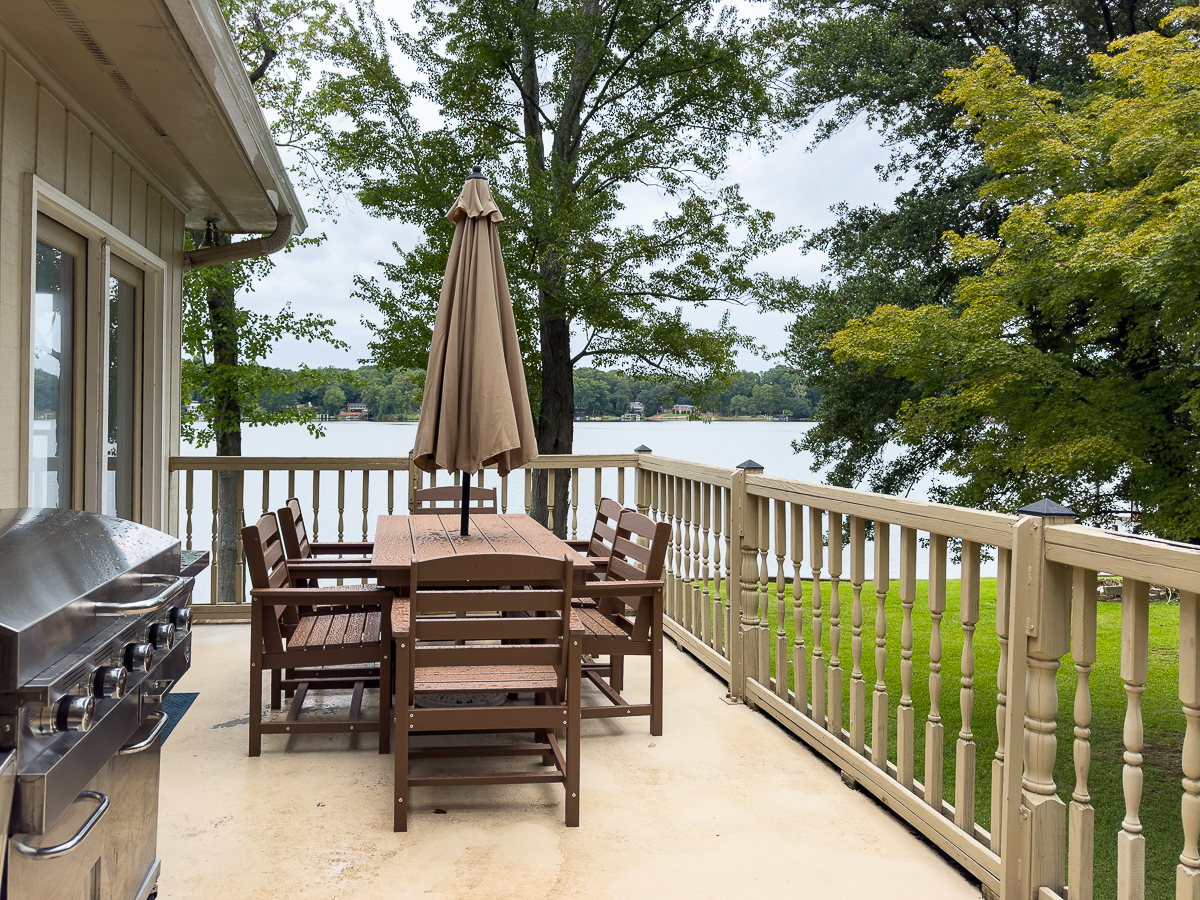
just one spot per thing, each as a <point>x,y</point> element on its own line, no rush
<point>55,566</point>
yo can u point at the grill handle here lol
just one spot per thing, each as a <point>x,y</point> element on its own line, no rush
<point>145,743</point>
<point>67,846</point>
<point>175,584</point>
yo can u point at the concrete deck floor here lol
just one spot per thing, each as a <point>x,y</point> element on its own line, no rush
<point>724,804</point>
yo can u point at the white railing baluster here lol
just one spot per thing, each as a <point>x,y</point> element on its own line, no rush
<point>905,716</point>
<point>964,767</point>
<point>188,507</point>
<point>880,712</point>
<point>834,680</point>
<point>1081,831</point>
<point>815,563</point>
<point>1187,873</point>
<point>719,592</point>
<point>781,648</point>
<point>1135,654</point>
<point>574,504</point>
<point>1003,580</point>
<point>686,555</point>
<point>858,685</point>
<point>934,730</point>
<point>764,591</point>
<point>695,597</point>
<point>706,609</point>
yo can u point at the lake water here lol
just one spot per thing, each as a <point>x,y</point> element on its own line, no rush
<point>715,443</point>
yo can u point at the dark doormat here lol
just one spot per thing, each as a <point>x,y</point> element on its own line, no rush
<point>175,705</point>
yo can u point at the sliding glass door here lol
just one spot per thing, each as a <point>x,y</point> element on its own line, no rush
<point>125,286</point>
<point>59,277</point>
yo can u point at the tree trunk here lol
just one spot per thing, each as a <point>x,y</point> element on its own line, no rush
<point>227,427</point>
<point>556,420</point>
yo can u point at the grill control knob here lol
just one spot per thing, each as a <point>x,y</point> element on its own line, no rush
<point>109,683</point>
<point>181,618</point>
<point>71,713</point>
<point>162,636</point>
<point>138,657</point>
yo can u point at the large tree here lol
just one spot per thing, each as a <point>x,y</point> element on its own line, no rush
<point>884,62</point>
<point>224,345</point>
<point>565,103</point>
<point>1068,366</point>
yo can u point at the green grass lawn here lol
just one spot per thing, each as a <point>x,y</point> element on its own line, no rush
<point>1161,711</point>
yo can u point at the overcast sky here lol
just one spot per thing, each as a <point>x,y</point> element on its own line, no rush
<point>799,186</point>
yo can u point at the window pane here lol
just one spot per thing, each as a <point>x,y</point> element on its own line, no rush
<point>53,342</point>
<point>118,500</point>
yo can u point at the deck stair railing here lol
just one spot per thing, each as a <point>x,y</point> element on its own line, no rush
<point>767,585</point>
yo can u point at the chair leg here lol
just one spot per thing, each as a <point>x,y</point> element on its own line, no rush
<point>385,696</point>
<point>574,722</point>
<point>403,738</point>
<point>256,707</point>
<point>276,691</point>
<point>656,677</point>
<point>616,676</point>
<point>255,681</point>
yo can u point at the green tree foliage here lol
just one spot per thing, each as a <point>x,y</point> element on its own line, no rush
<point>564,104</point>
<point>1068,366</point>
<point>333,401</point>
<point>225,373</point>
<point>883,62</point>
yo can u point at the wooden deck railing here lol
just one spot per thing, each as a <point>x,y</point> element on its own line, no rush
<point>767,584</point>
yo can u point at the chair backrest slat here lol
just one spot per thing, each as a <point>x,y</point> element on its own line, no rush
<point>267,563</point>
<point>632,526</point>
<point>536,585</point>
<point>604,530</point>
<point>482,501</point>
<point>295,534</point>
<point>497,600</point>
<point>478,628</point>
<point>484,656</point>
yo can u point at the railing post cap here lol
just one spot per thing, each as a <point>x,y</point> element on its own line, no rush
<point>642,449</point>
<point>750,464</point>
<point>1047,509</point>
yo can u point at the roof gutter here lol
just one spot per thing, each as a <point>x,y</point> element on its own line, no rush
<point>261,246</point>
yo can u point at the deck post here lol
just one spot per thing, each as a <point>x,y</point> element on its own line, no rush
<point>744,648</point>
<point>1034,822</point>
<point>642,498</point>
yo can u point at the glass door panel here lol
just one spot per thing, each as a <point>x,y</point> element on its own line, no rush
<point>51,451</point>
<point>124,287</point>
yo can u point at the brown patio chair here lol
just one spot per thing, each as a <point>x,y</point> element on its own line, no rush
<point>348,627</point>
<point>485,499</point>
<point>598,547</point>
<point>462,599</point>
<point>633,579</point>
<point>308,561</point>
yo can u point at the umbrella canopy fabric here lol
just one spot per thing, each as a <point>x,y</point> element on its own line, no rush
<point>475,411</point>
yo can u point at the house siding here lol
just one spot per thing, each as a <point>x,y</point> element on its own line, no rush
<point>39,134</point>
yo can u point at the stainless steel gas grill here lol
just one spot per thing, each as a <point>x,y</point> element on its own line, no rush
<point>94,632</point>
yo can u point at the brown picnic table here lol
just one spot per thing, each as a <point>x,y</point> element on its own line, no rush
<point>401,539</point>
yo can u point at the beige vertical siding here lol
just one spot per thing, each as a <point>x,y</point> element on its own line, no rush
<point>39,135</point>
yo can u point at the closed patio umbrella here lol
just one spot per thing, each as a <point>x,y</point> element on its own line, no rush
<point>475,411</point>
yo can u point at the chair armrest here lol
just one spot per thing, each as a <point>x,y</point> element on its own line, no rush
<point>615,589</point>
<point>579,545</point>
<point>401,617</point>
<point>350,595</point>
<point>599,562</point>
<point>342,547</point>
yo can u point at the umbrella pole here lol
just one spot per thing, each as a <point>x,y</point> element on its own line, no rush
<point>466,503</point>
